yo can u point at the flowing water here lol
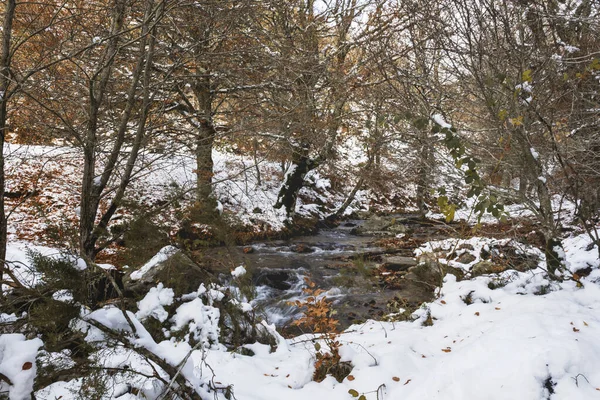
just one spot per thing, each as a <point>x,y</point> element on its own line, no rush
<point>339,262</point>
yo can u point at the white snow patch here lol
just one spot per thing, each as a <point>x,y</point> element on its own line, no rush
<point>162,255</point>
<point>238,271</point>
<point>439,119</point>
<point>152,304</point>
<point>534,153</point>
<point>17,363</point>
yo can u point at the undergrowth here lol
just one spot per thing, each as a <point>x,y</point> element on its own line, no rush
<point>319,318</point>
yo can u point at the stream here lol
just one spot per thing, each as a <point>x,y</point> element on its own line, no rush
<point>347,262</point>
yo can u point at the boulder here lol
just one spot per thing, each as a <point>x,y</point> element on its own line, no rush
<point>381,226</point>
<point>276,279</point>
<point>301,248</point>
<point>171,267</point>
<point>486,267</point>
<point>398,263</point>
<point>466,258</point>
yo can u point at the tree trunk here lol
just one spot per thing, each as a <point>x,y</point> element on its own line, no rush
<point>4,97</point>
<point>535,173</point>
<point>206,131</point>
<point>91,187</point>
<point>204,167</point>
<point>423,172</point>
<point>88,205</point>
<point>293,182</point>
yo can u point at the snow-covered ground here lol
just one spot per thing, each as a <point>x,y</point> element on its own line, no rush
<point>45,183</point>
<point>511,335</point>
<point>507,335</point>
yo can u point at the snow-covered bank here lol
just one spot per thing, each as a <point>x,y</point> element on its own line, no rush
<point>512,334</point>
<point>247,192</point>
<point>508,342</point>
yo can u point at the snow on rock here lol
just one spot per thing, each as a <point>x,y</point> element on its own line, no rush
<point>17,363</point>
<point>580,253</point>
<point>200,320</point>
<point>439,119</point>
<point>239,271</point>
<point>162,256</point>
<point>152,304</point>
<point>451,251</point>
<point>534,153</point>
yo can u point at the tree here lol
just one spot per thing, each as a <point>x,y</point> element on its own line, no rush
<point>504,57</point>
<point>318,56</point>
<point>5,95</point>
<point>94,56</point>
<point>213,52</point>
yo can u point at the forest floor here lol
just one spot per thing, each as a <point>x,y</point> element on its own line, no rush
<point>496,327</point>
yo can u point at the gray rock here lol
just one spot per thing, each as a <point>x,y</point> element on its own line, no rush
<point>381,226</point>
<point>485,267</point>
<point>398,263</point>
<point>466,258</point>
<point>177,272</point>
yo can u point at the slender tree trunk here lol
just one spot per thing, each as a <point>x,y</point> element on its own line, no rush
<point>143,68</point>
<point>206,132</point>
<point>340,211</point>
<point>553,246</point>
<point>423,172</point>
<point>91,187</point>
<point>256,167</point>
<point>4,97</point>
<point>204,167</point>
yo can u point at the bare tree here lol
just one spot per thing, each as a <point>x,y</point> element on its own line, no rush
<point>5,61</point>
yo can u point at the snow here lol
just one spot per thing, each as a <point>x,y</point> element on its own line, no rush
<point>160,257</point>
<point>504,335</point>
<point>17,363</point>
<point>504,345</point>
<point>571,49</point>
<point>238,271</point>
<point>439,119</point>
<point>580,253</point>
<point>534,153</point>
<point>17,257</point>
<point>152,305</point>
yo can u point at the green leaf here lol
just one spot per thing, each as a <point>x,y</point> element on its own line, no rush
<point>317,346</point>
<point>362,397</point>
<point>353,393</point>
<point>450,211</point>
